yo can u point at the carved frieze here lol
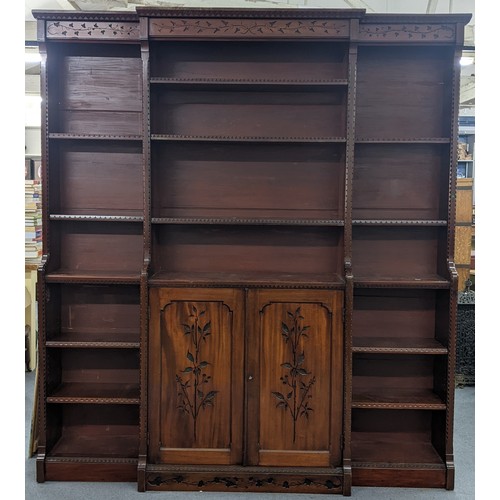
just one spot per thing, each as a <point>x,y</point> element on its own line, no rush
<point>249,28</point>
<point>407,32</point>
<point>89,30</point>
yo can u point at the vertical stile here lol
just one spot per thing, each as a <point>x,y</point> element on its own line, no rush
<point>41,290</point>
<point>450,392</point>
<point>144,292</point>
<point>349,291</point>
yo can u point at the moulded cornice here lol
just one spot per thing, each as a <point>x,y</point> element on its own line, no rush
<point>66,15</point>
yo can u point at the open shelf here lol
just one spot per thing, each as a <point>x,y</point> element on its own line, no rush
<point>391,448</point>
<point>255,115</point>
<point>398,345</point>
<point>96,91</point>
<point>94,137</point>
<point>250,61</point>
<point>95,393</point>
<point>250,139</point>
<point>243,182</point>
<point>81,445</point>
<point>229,84</point>
<point>121,340</point>
<point>398,321</point>
<point>247,249</point>
<point>97,217</point>
<point>96,179</point>
<point>397,398</point>
<point>409,99</point>
<point>63,275</point>
<point>396,437</point>
<point>422,281</point>
<point>399,256</point>
<point>404,183</point>
<point>411,140</point>
<point>248,221</point>
<point>95,250</point>
<point>249,279</point>
<point>403,381</point>
<point>107,431</point>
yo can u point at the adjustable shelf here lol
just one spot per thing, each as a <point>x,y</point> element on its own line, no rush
<point>390,222</point>
<point>95,340</point>
<point>397,398</point>
<point>260,139</point>
<point>229,84</point>
<point>424,281</point>
<point>92,277</point>
<point>95,393</point>
<point>247,221</point>
<point>403,140</point>
<point>398,345</point>
<point>96,218</point>
<point>66,136</point>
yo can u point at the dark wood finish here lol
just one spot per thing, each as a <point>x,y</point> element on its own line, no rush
<point>276,170</point>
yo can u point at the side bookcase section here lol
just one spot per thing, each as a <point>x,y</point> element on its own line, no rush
<point>247,281</point>
<point>402,256</point>
<point>93,250</point>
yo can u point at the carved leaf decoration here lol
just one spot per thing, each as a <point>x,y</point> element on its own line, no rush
<point>287,365</point>
<point>187,369</point>
<point>301,371</point>
<point>278,395</point>
<point>203,364</point>
<point>206,328</point>
<point>190,356</point>
<point>300,359</point>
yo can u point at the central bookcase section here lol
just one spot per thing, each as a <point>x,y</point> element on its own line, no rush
<point>235,128</point>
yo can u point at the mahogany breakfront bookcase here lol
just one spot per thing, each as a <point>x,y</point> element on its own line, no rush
<point>247,280</point>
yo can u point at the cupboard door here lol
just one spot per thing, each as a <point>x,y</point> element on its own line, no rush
<point>196,376</point>
<point>294,378</point>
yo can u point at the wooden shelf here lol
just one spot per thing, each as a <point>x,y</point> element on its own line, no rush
<point>415,140</point>
<point>432,281</point>
<point>398,345</point>
<point>95,393</point>
<point>93,137</point>
<point>277,280</point>
<point>92,277</point>
<point>397,399</point>
<point>96,218</point>
<point>84,340</point>
<point>247,221</point>
<point>250,84</point>
<point>389,448</point>
<point>214,138</point>
<point>84,445</point>
<point>390,222</point>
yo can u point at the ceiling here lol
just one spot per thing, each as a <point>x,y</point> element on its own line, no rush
<point>467,96</point>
